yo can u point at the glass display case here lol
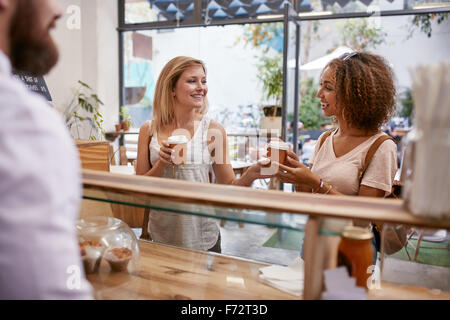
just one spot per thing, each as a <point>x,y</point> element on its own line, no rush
<point>108,241</point>
<point>169,272</point>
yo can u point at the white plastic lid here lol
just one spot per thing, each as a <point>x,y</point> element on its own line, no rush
<point>177,139</point>
<point>264,161</point>
<point>279,145</point>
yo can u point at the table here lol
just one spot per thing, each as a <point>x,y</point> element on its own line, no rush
<point>401,131</point>
<point>113,135</point>
<point>122,169</point>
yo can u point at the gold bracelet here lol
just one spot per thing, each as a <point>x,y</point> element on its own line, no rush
<point>329,189</point>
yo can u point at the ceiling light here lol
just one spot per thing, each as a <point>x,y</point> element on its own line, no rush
<point>308,14</point>
<point>270,16</point>
<point>430,5</point>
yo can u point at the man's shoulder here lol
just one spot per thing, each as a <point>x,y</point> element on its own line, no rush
<point>21,106</point>
<point>14,93</point>
<point>30,126</point>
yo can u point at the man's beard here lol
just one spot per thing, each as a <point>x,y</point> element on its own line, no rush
<point>32,50</point>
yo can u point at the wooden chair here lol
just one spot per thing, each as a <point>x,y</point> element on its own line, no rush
<point>130,144</point>
<point>112,159</point>
<point>426,235</point>
<point>123,156</point>
<point>94,155</point>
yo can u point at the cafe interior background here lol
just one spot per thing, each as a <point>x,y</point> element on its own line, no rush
<point>118,49</point>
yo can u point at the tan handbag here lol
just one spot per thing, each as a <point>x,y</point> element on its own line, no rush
<point>393,237</point>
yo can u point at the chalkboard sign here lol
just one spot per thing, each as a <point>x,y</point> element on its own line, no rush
<point>35,84</point>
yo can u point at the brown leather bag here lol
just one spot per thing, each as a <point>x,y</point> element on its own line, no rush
<point>393,237</point>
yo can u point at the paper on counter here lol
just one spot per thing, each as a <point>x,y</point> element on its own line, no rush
<point>340,286</point>
<point>288,279</point>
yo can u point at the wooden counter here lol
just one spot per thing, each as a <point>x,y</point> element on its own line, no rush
<point>174,273</point>
<point>315,205</point>
<point>169,273</point>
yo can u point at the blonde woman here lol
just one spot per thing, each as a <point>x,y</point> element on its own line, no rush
<point>179,108</point>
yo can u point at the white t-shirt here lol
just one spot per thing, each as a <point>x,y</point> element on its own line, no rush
<point>342,172</point>
<point>40,191</point>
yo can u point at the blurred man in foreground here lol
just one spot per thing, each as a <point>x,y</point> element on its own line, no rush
<point>39,166</point>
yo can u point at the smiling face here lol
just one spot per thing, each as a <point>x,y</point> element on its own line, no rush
<point>31,45</point>
<point>191,89</point>
<point>327,93</point>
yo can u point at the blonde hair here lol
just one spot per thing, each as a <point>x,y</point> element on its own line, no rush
<point>163,101</point>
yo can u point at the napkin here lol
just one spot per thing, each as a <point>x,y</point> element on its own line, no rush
<point>340,286</point>
<point>288,279</point>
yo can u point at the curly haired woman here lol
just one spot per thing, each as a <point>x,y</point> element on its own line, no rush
<point>358,90</point>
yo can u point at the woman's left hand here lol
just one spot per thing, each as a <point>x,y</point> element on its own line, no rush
<point>294,172</point>
<point>291,156</point>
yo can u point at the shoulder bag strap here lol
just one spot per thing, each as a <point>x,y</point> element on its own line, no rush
<point>324,137</point>
<point>373,148</point>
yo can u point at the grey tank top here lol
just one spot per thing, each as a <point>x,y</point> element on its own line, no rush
<point>185,230</point>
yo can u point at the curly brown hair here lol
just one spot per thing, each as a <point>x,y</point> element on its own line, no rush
<point>365,90</point>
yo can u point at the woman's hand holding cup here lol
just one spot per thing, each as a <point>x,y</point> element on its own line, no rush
<point>293,171</point>
<point>178,145</point>
<point>165,153</point>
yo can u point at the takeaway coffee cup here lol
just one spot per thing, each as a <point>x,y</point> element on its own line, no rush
<point>277,151</point>
<point>178,144</point>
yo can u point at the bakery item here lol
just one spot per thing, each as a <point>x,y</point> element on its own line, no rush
<point>118,258</point>
<point>91,254</point>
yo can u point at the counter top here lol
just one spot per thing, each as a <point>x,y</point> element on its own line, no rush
<point>170,273</point>
<point>175,273</point>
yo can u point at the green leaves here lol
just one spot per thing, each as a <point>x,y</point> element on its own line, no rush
<point>125,113</point>
<point>405,107</point>
<point>84,84</point>
<point>270,73</point>
<point>310,111</point>
<point>360,35</point>
<point>263,36</point>
<point>259,35</point>
<point>88,103</point>
<point>424,21</point>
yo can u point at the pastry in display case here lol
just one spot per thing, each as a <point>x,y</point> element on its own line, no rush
<point>107,245</point>
<point>91,255</point>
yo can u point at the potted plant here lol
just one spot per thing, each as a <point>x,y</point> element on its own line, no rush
<point>126,118</point>
<point>84,107</point>
<point>271,75</point>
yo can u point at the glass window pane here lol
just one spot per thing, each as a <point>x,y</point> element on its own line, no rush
<point>139,79</point>
<point>232,64</point>
<point>404,41</point>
